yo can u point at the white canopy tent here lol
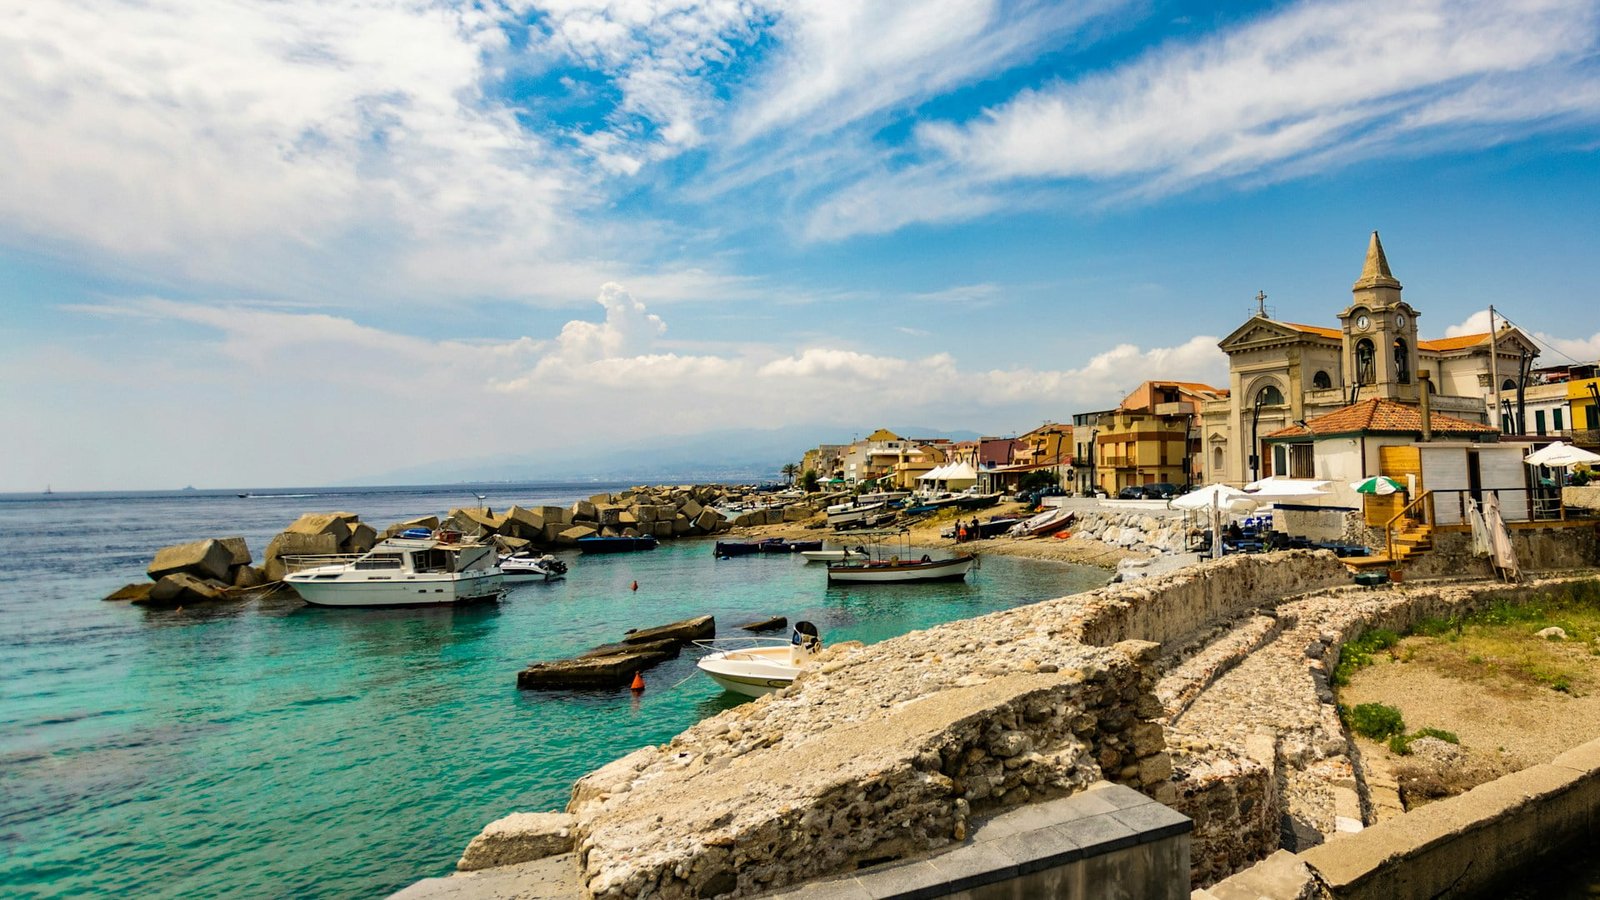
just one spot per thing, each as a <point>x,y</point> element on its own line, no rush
<point>1217,498</point>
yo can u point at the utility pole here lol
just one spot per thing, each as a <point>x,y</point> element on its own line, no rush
<point>1494,367</point>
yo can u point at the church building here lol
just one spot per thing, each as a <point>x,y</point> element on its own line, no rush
<point>1283,373</point>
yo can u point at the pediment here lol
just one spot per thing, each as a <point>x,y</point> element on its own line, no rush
<point>1259,331</point>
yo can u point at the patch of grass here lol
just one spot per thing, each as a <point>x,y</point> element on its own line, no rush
<point>1400,744</point>
<point>1357,654</point>
<point>1373,720</point>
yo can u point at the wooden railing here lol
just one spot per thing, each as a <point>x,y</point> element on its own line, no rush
<point>1422,502</point>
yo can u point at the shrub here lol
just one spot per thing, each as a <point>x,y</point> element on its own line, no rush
<point>1400,744</point>
<point>1375,720</point>
<point>1357,654</point>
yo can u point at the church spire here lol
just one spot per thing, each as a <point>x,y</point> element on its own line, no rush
<point>1375,272</point>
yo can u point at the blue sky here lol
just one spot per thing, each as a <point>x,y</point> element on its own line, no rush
<point>298,242</point>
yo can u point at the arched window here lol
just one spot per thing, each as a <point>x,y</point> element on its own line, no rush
<point>1321,381</point>
<point>1216,463</point>
<point>1432,388</point>
<point>1402,361</point>
<point>1271,396</point>
<point>1366,362</point>
<point>1509,385</point>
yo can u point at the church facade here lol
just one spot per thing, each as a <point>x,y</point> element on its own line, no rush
<point>1281,373</point>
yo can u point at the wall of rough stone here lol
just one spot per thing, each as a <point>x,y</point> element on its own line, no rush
<point>1232,798</point>
<point>1172,607</point>
<point>1162,530</point>
<point>874,753</point>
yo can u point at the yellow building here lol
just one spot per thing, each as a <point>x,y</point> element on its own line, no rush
<point>1153,436</point>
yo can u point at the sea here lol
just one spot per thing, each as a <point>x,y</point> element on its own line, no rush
<point>270,749</point>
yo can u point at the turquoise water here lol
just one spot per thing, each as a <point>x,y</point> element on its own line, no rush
<point>271,749</point>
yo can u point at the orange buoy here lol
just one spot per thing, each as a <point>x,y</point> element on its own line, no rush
<point>638,682</point>
<point>636,585</point>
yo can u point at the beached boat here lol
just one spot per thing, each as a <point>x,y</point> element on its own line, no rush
<point>839,555</point>
<point>853,514</point>
<point>418,568</point>
<point>757,666</point>
<point>599,544</point>
<point>530,567</point>
<point>898,571</point>
<point>780,545</point>
<point>1049,521</point>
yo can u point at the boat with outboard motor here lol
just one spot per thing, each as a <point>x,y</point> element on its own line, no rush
<point>519,567</point>
<point>757,666</point>
<point>892,562</point>
<point>418,567</point>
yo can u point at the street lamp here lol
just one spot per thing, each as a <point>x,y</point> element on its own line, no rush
<point>1255,444</point>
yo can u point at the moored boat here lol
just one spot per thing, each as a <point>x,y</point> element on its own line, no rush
<point>757,666</point>
<point>414,569</point>
<point>851,515</point>
<point>897,571</point>
<point>530,567</point>
<point>840,554</point>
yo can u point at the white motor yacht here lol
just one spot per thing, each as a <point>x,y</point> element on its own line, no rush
<point>408,570</point>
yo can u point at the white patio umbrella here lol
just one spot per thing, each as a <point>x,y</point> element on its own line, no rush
<point>1216,498</point>
<point>1277,487</point>
<point>1560,455</point>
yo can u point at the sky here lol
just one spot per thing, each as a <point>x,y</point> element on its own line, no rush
<point>299,242</point>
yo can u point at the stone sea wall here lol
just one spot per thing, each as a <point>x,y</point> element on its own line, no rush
<point>888,751</point>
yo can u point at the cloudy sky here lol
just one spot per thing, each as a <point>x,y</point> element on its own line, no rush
<point>293,243</point>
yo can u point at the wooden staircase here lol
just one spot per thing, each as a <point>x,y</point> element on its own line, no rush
<point>1411,537</point>
<point>1407,533</point>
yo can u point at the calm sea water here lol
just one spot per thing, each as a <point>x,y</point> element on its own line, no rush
<point>270,749</point>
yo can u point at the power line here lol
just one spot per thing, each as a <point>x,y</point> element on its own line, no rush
<point>1535,338</point>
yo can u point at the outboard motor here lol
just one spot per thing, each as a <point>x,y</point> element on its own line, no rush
<point>803,641</point>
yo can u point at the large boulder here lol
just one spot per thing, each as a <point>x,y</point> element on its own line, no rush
<point>362,538</point>
<point>290,544</point>
<point>522,523</point>
<point>554,514</point>
<point>136,593</point>
<point>572,534</point>
<point>708,520</point>
<point>238,550</point>
<point>248,577</point>
<point>583,511</point>
<point>334,523</point>
<point>691,507</point>
<point>428,522</point>
<point>182,589</point>
<point>205,559</point>
<point>485,520</point>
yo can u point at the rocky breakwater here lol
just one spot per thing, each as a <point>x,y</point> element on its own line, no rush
<point>662,512</point>
<point>216,569</point>
<point>198,572</point>
<point>1161,531</point>
<point>614,665</point>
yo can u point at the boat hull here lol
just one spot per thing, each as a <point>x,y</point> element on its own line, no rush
<point>903,573</point>
<point>831,555</point>
<point>419,591</point>
<point>752,673</point>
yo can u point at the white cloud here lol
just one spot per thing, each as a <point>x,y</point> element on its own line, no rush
<point>1305,89</point>
<point>1568,348</point>
<point>290,396</point>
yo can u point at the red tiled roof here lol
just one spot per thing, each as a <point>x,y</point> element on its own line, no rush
<point>1377,415</point>
<point>1334,333</point>
<point>1460,342</point>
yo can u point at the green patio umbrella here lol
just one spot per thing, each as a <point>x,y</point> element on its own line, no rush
<point>1377,484</point>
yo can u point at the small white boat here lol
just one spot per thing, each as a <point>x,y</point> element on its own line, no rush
<point>897,571</point>
<point>845,515</point>
<point>417,568</point>
<point>527,567</point>
<point>838,555</point>
<point>1051,520</point>
<point>757,666</point>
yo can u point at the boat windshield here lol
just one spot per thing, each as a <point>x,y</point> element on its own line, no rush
<point>379,561</point>
<point>432,560</point>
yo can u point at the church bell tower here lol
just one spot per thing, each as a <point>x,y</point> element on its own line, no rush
<point>1380,334</point>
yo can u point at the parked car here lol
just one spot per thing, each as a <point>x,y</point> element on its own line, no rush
<point>1131,492</point>
<point>1161,490</point>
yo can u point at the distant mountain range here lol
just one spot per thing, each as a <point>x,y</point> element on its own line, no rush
<point>730,455</point>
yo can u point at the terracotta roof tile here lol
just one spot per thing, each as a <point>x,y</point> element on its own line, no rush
<point>1334,333</point>
<point>1377,415</point>
<point>1460,342</point>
